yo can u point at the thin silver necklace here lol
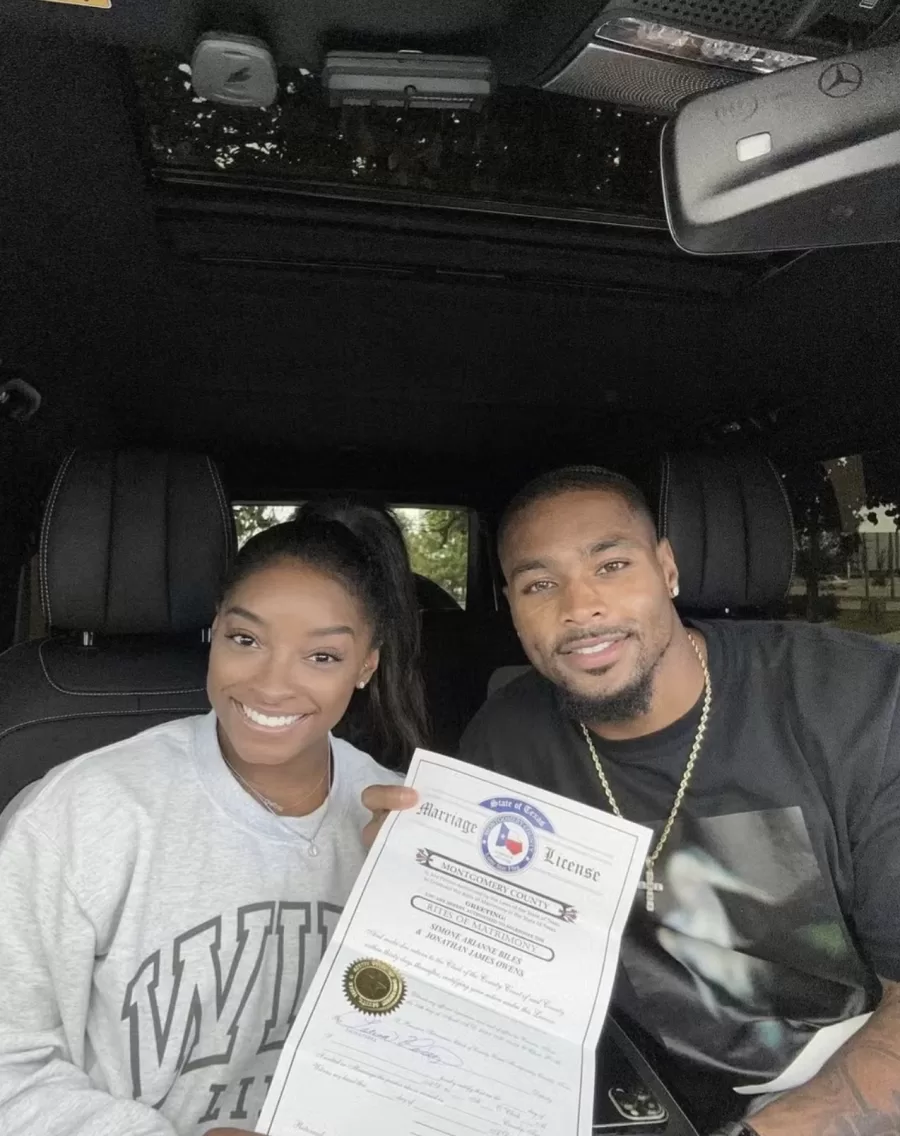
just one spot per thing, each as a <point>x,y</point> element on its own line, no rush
<point>312,849</point>
<point>650,885</point>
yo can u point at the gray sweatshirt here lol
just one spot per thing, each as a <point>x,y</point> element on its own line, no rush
<point>158,929</point>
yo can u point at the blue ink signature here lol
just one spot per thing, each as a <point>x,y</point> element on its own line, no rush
<point>409,1039</point>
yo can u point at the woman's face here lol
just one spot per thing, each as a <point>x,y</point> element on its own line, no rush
<point>289,646</point>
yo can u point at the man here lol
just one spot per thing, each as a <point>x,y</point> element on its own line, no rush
<point>766,758</point>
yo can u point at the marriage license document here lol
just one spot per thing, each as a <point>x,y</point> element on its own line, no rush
<point>466,984</point>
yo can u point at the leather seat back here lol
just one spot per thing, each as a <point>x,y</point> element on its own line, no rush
<point>730,525</point>
<point>133,549</point>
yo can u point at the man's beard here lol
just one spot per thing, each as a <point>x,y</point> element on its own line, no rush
<point>623,705</point>
<point>632,701</point>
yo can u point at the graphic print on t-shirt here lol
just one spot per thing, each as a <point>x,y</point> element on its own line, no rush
<point>741,894</point>
<point>201,1002</point>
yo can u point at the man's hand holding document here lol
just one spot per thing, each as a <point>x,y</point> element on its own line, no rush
<point>466,985</point>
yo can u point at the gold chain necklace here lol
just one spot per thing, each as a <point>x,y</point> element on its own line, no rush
<point>649,885</point>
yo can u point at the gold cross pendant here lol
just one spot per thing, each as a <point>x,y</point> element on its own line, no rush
<point>649,886</point>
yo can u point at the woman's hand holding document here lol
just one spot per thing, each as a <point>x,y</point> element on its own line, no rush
<point>466,985</point>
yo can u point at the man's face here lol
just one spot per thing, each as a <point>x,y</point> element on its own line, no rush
<point>589,586</point>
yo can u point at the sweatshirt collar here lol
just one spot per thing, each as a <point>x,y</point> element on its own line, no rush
<point>230,795</point>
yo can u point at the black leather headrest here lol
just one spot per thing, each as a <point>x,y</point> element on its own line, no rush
<point>134,543</point>
<point>730,524</point>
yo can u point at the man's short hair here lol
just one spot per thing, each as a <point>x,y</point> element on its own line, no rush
<point>572,478</point>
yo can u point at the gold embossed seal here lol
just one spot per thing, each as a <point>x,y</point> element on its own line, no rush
<point>374,987</point>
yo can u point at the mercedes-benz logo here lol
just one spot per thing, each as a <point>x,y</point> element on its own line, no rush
<point>840,79</point>
<point>737,109</point>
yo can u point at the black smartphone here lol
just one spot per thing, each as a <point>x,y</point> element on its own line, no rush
<point>631,1109</point>
<point>622,1102</point>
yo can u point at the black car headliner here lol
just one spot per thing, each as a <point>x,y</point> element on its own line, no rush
<point>229,319</point>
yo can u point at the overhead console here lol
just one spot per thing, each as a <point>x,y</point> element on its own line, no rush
<point>646,54</point>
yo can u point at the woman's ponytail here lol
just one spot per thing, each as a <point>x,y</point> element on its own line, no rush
<point>389,716</point>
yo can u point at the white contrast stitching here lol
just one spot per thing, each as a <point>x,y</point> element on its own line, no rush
<point>45,536</point>
<point>663,510</point>
<point>110,693</point>
<point>178,711</point>
<point>223,506</point>
<point>790,518</point>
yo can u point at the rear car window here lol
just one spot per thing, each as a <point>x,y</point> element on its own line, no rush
<point>437,538</point>
<point>848,544</point>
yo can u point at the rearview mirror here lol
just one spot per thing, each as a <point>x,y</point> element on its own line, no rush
<point>804,158</point>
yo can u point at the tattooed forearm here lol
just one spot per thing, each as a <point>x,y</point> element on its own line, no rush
<point>869,1122</point>
<point>857,1093</point>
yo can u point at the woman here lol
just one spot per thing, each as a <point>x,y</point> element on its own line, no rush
<point>165,901</point>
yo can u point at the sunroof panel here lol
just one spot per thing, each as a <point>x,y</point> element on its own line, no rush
<point>526,149</point>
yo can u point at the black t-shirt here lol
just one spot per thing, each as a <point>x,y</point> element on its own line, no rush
<point>781,877</point>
